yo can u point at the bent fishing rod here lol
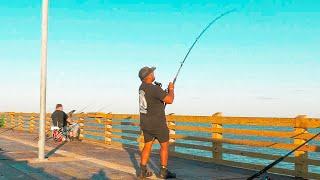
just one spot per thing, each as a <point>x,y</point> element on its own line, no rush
<point>194,43</point>
<point>198,37</point>
<point>258,174</point>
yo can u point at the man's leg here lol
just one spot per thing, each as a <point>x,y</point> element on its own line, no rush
<point>145,154</point>
<point>164,152</point>
<point>163,138</point>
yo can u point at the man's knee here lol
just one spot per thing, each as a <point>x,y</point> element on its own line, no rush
<point>148,146</point>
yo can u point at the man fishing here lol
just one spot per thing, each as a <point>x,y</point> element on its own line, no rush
<point>59,119</point>
<point>152,100</point>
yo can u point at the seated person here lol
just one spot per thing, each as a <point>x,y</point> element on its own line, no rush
<point>59,119</point>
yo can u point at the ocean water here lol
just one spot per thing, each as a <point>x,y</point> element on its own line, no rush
<point>228,157</point>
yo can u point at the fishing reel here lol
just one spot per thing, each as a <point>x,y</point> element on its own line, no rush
<point>158,84</point>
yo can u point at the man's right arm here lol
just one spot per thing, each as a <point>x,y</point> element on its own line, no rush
<point>170,97</point>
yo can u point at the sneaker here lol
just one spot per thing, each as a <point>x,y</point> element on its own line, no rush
<point>144,173</point>
<point>166,174</point>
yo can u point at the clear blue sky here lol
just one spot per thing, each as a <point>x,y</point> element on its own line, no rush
<point>262,60</point>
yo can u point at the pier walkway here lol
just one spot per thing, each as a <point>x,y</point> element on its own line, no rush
<point>84,160</point>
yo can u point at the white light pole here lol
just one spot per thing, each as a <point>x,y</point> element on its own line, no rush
<point>43,81</point>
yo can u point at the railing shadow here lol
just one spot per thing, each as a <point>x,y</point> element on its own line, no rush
<point>20,169</point>
<point>131,152</point>
<point>134,151</point>
<point>12,129</point>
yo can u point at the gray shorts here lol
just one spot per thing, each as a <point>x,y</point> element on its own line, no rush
<point>161,135</point>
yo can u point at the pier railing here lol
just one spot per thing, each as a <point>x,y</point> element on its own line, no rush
<point>245,142</point>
